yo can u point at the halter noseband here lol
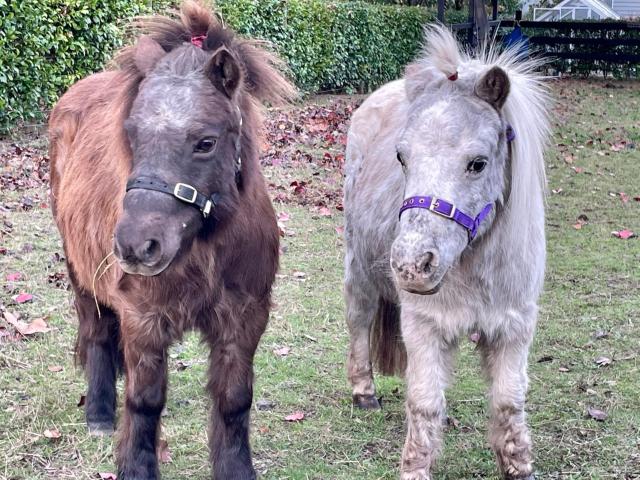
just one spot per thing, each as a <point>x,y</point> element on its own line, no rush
<point>448,210</point>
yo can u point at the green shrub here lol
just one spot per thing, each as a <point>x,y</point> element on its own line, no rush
<point>341,46</point>
<point>46,45</point>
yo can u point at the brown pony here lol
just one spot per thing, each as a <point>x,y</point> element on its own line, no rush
<point>167,226</point>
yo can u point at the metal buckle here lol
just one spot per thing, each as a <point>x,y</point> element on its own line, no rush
<point>434,204</point>
<point>179,186</point>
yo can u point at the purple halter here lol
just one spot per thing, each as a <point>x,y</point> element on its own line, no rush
<point>449,210</point>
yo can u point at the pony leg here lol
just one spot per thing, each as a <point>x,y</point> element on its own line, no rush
<point>505,363</point>
<point>145,397</point>
<point>362,303</point>
<point>429,365</point>
<point>97,349</point>
<point>231,388</point>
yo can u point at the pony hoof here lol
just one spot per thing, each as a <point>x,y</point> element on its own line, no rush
<point>526,477</point>
<point>100,429</point>
<point>366,402</point>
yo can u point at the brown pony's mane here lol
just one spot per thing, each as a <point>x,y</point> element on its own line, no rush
<point>262,70</point>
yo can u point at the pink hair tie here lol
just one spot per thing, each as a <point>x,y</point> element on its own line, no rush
<point>453,77</point>
<point>197,40</point>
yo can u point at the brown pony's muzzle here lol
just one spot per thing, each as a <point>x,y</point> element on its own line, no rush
<point>143,250</point>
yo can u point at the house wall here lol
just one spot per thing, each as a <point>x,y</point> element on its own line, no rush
<point>627,8</point>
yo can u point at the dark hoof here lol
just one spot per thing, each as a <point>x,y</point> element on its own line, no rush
<point>100,429</point>
<point>366,402</point>
<point>528,477</point>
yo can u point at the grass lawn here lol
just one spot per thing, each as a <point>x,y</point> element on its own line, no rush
<point>590,311</point>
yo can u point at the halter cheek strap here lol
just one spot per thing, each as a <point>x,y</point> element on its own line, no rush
<point>448,210</point>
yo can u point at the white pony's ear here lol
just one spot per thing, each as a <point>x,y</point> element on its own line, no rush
<point>493,87</point>
<point>147,53</point>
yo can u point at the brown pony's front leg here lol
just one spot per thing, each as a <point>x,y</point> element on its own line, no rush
<point>231,387</point>
<point>145,396</point>
<point>98,352</point>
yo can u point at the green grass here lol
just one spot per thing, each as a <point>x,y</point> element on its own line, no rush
<point>593,284</point>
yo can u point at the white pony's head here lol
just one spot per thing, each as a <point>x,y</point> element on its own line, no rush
<point>456,151</point>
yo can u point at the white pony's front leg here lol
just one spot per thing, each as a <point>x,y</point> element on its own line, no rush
<point>505,363</point>
<point>429,364</point>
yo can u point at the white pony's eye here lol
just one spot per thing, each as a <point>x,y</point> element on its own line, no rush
<point>400,159</point>
<point>477,165</point>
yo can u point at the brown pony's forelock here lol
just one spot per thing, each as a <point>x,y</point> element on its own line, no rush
<point>261,69</point>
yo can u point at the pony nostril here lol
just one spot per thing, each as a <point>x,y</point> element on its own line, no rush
<point>428,262</point>
<point>150,251</point>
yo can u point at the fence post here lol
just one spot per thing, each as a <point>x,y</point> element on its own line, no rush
<point>441,11</point>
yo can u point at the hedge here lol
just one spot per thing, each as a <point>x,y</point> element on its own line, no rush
<point>341,46</point>
<point>46,45</point>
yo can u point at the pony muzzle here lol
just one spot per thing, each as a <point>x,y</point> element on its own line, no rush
<point>143,251</point>
<point>420,273</point>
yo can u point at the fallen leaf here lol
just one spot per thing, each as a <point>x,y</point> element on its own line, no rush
<point>597,414</point>
<point>283,217</point>
<point>603,361</point>
<point>636,199</point>
<point>564,369</point>
<point>578,226</point>
<point>264,404</point>
<point>83,399</point>
<point>14,277</point>
<point>299,275</point>
<point>474,337</point>
<point>55,368</point>
<point>624,197</point>
<point>282,352</point>
<point>546,358</point>
<point>624,234</point>
<point>295,417</point>
<point>340,230</point>
<point>52,434</point>
<point>107,476</point>
<point>263,429</point>
<point>163,451</point>
<point>557,190</point>
<point>23,298</point>
<point>324,212</point>
<point>38,325</point>
<point>601,334</point>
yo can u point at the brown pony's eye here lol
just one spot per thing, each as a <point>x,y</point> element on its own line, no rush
<point>477,165</point>
<point>205,145</point>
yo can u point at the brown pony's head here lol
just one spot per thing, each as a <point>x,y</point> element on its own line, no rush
<point>192,131</point>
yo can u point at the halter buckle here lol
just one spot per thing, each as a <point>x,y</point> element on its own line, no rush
<point>435,208</point>
<point>180,188</point>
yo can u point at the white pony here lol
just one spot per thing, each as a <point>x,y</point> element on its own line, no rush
<point>444,202</point>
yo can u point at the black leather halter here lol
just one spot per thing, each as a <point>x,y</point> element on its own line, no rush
<point>185,192</point>
<point>182,191</point>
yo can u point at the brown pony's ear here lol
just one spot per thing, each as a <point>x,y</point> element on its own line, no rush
<point>147,53</point>
<point>493,87</point>
<point>224,72</point>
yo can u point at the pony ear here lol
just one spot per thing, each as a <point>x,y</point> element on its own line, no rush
<point>224,72</point>
<point>493,87</point>
<point>147,53</point>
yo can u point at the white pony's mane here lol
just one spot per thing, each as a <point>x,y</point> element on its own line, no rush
<point>526,108</point>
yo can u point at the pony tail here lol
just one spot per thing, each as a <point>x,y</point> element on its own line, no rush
<point>387,348</point>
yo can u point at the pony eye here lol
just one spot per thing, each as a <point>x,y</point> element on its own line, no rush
<point>477,165</point>
<point>400,159</point>
<point>205,145</point>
